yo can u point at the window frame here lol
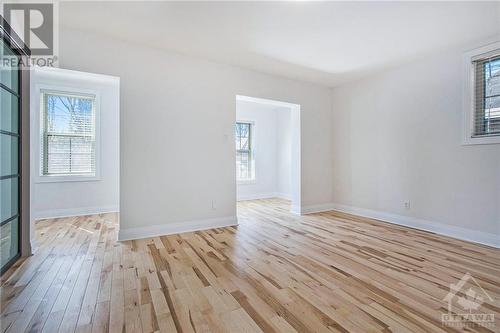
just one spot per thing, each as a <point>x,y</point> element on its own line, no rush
<point>39,176</point>
<point>252,141</point>
<point>468,137</point>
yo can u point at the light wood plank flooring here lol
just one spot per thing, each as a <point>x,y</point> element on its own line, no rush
<point>275,272</point>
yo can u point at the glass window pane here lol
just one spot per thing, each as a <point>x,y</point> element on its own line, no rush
<point>243,151</point>
<point>69,134</point>
<point>8,111</point>
<point>70,154</point>
<point>237,135</point>
<point>8,198</point>
<point>82,152</point>
<point>9,154</point>
<point>492,107</point>
<point>69,114</point>
<point>242,135</point>
<point>243,165</point>
<point>9,75</point>
<point>244,143</point>
<point>9,241</point>
<point>492,78</point>
<point>492,115</point>
<point>58,154</point>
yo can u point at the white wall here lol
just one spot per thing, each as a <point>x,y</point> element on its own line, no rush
<point>270,146</point>
<point>177,118</point>
<point>397,137</point>
<point>392,137</point>
<point>284,153</point>
<point>66,198</point>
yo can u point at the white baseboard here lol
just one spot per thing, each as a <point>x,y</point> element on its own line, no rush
<point>175,228</point>
<point>256,196</point>
<point>435,227</point>
<point>316,208</point>
<point>67,212</point>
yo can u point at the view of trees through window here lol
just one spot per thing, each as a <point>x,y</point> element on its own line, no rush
<point>243,137</point>
<point>487,97</point>
<point>492,96</point>
<point>68,134</point>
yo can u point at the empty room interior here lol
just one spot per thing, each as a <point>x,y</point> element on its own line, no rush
<point>240,166</point>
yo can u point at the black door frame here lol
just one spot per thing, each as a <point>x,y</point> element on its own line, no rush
<point>10,38</point>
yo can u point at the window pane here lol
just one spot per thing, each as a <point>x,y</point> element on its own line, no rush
<point>492,115</point>
<point>82,154</point>
<point>70,154</point>
<point>492,78</point>
<point>8,111</point>
<point>9,76</point>
<point>237,135</point>
<point>243,137</point>
<point>8,198</point>
<point>492,107</point>
<point>243,165</point>
<point>486,120</point>
<point>69,134</point>
<point>9,149</point>
<point>69,114</point>
<point>58,154</point>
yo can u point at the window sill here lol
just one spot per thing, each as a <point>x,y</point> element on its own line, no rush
<point>486,140</point>
<point>246,181</point>
<point>67,178</point>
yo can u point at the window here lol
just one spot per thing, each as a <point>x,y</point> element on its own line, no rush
<point>487,96</point>
<point>68,134</point>
<point>244,152</point>
<point>483,96</point>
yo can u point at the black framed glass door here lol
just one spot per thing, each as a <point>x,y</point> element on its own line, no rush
<point>10,177</point>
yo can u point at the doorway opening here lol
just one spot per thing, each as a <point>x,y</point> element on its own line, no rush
<point>267,140</point>
<point>75,146</point>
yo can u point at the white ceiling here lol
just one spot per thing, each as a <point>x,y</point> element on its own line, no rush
<point>323,42</point>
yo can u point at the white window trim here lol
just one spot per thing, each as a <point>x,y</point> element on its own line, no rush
<point>468,102</point>
<point>39,176</point>
<point>253,180</point>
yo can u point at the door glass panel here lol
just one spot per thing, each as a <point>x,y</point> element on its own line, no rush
<point>8,198</point>
<point>9,154</point>
<point>9,115</point>
<point>9,75</point>
<point>9,149</point>
<point>9,241</point>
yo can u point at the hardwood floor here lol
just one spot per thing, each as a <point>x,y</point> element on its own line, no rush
<point>275,272</point>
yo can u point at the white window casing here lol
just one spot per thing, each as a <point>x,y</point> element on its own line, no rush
<point>69,151</point>
<point>481,106</point>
